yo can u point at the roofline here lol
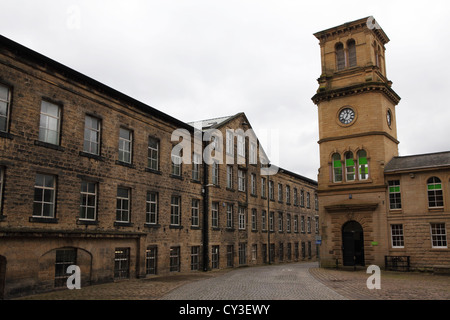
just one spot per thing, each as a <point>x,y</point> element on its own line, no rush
<point>298,176</point>
<point>421,154</point>
<point>363,22</point>
<point>418,168</point>
<point>52,65</point>
<point>218,125</point>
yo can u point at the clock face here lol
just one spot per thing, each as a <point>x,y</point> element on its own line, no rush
<point>389,118</point>
<point>346,116</point>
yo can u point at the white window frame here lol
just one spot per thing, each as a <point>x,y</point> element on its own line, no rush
<point>393,202</point>
<point>397,237</point>
<point>175,210</point>
<point>151,216</point>
<point>215,257</point>
<point>229,177</point>
<point>122,209</point>
<point>308,200</point>
<point>84,205</point>
<point>302,198</point>
<point>196,167</point>
<point>440,237</point>
<point>288,222</point>
<point>254,219</point>
<point>176,165</point>
<point>264,220</point>
<point>215,214</point>
<point>215,173</point>
<point>271,222</point>
<point>241,180</point>
<point>253,183</point>
<point>280,222</point>
<point>42,201</point>
<point>308,224</point>
<point>92,144</point>
<point>195,210</point>
<point>271,190</point>
<point>44,118</point>
<point>6,101</point>
<point>241,218</point>
<point>123,150</point>
<point>153,154</point>
<point>263,187</point>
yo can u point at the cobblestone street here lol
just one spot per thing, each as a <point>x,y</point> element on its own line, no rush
<point>294,281</point>
<point>276,282</point>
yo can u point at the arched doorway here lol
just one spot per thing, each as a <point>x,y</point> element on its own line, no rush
<point>2,276</point>
<point>352,244</point>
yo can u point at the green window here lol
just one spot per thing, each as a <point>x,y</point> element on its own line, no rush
<point>394,195</point>
<point>349,166</point>
<point>363,165</point>
<point>435,196</point>
<point>337,168</point>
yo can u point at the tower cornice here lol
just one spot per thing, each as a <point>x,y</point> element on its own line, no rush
<point>349,27</point>
<point>326,95</point>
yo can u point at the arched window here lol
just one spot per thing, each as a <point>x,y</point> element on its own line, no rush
<point>340,56</point>
<point>363,165</point>
<point>351,45</point>
<point>349,166</point>
<point>337,167</point>
<point>435,197</point>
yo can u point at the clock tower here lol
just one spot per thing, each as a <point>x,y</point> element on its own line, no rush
<point>357,137</point>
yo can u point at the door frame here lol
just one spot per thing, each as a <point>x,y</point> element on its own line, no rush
<point>352,244</point>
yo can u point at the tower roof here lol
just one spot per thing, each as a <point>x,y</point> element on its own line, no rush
<point>364,23</point>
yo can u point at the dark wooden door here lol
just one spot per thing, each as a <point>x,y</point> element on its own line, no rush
<point>348,245</point>
<point>352,244</point>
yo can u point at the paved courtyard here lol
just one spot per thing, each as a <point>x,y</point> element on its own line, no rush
<point>293,281</point>
<point>276,282</point>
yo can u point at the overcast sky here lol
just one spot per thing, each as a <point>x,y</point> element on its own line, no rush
<point>199,59</point>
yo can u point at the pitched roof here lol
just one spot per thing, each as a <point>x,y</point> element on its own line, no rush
<point>209,123</point>
<point>215,122</point>
<point>418,162</point>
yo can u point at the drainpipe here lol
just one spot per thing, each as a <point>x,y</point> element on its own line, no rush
<point>205,228</point>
